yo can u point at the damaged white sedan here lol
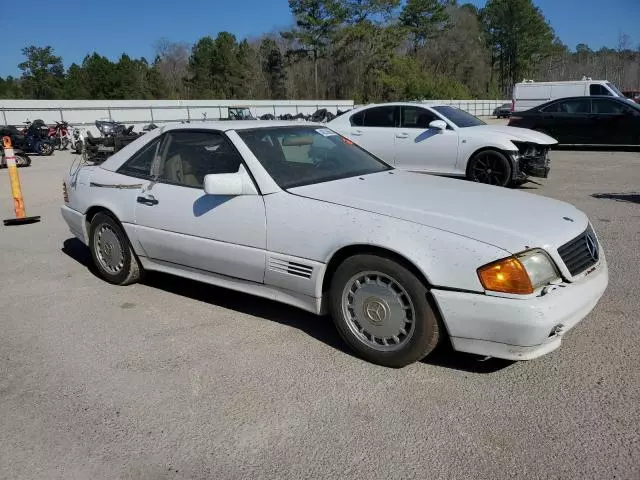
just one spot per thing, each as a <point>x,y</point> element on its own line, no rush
<point>298,214</point>
<point>445,140</point>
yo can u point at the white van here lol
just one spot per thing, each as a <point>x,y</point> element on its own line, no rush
<point>529,94</point>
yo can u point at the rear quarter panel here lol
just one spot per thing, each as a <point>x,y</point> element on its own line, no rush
<point>84,194</point>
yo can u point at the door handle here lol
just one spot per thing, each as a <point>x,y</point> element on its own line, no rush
<point>356,132</point>
<point>150,200</point>
<point>402,135</point>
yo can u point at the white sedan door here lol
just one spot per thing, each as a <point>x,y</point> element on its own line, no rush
<point>372,129</point>
<point>177,222</point>
<point>420,148</point>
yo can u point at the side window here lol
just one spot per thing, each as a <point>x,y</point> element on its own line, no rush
<point>416,117</point>
<point>188,156</point>
<point>597,89</point>
<point>575,105</point>
<point>139,165</point>
<point>380,117</point>
<point>357,120</point>
<point>553,108</point>
<point>599,105</point>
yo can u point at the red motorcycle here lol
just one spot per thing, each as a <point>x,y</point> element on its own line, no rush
<point>59,135</point>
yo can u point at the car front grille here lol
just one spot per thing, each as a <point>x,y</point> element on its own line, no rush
<point>580,253</point>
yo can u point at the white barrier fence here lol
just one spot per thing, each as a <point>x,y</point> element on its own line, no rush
<point>86,112</point>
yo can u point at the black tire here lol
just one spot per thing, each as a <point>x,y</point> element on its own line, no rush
<point>79,146</point>
<point>130,270</point>
<point>45,148</point>
<point>426,330</point>
<point>64,143</point>
<point>491,167</point>
<point>22,160</point>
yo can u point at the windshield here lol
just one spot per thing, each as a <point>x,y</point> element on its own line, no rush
<point>296,156</point>
<point>458,117</point>
<point>614,89</point>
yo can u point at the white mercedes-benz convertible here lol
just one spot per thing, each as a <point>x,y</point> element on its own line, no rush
<point>299,214</point>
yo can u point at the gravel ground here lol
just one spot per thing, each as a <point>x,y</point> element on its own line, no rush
<point>171,379</point>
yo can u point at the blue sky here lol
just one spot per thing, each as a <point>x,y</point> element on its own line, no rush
<point>132,26</point>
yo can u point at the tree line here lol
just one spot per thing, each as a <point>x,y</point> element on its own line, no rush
<point>366,50</point>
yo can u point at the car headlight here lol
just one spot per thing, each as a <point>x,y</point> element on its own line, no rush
<point>520,274</point>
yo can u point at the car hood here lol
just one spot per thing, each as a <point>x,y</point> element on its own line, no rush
<point>511,133</point>
<point>508,219</point>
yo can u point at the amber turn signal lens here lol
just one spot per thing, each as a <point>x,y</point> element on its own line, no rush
<point>506,276</point>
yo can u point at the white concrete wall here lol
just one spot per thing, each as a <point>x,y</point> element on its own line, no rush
<point>86,112</point>
<point>140,112</point>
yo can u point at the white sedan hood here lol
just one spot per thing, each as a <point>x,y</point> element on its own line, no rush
<point>508,219</point>
<point>511,133</point>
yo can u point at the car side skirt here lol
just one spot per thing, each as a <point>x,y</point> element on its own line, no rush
<point>295,299</point>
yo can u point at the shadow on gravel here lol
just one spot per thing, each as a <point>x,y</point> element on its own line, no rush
<point>446,357</point>
<point>74,248</point>
<point>320,328</point>
<point>632,197</point>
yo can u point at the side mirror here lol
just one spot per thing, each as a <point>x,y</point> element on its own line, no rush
<point>229,184</point>
<point>439,125</point>
<point>223,184</point>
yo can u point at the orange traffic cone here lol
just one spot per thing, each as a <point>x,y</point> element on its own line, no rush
<point>16,191</point>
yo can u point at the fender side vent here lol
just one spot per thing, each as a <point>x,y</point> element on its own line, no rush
<point>292,268</point>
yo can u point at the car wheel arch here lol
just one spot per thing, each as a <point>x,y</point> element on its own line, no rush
<point>348,251</point>
<point>506,153</point>
<point>94,210</point>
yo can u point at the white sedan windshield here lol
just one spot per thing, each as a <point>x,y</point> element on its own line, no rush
<point>458,117</point>
<point>296,156</point>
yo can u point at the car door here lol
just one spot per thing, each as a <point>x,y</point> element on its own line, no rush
<point>373,129</point>
<point>177,222</point>
<point>613,122</point>
<point>420,148</point>
<point>567,120</point>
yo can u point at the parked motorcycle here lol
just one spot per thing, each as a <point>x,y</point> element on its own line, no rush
<point>77,140</point>
<point>32,139</point>
<point>111,128</point>
<point>59,135</point>
<point>115,136</point>
<point>22,159</point>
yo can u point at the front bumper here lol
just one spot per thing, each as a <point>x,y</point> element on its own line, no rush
<point>519,329</point>
<point>533,163</point>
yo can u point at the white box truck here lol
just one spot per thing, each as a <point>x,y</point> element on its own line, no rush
<point>529,94</point>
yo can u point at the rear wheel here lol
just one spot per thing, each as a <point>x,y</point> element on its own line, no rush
<point>111,251</point>
<point>381,311</point>
<point>490,167</point>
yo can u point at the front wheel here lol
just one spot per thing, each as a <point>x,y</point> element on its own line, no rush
<point>22,160</point>
<point>381,311</point>
<point>490,167</point>
<point>45,148</point>
<point>111,251</point>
